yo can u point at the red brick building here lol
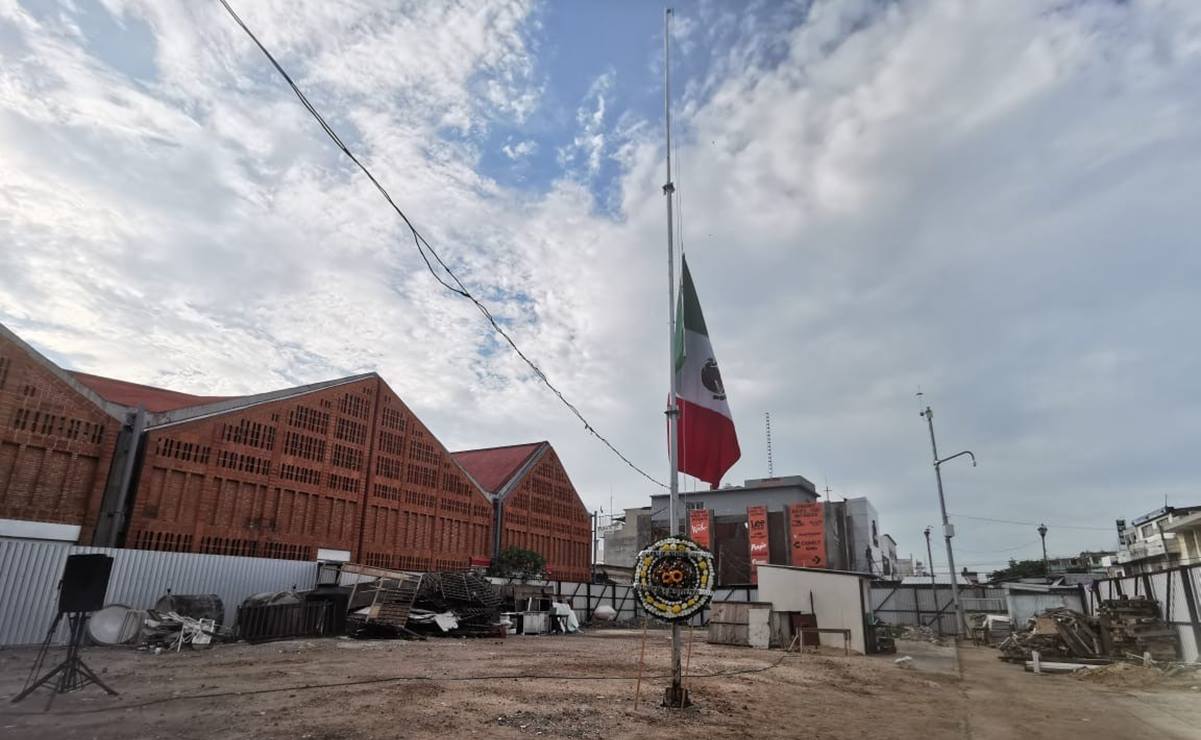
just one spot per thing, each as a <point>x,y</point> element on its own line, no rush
<point>342,466</point>
<point>536,505</point>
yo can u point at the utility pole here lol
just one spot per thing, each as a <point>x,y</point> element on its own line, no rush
<point>1042,533</point>
<point>933,585</point>
<point>948,531</point>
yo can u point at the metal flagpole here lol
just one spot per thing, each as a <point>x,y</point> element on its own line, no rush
<point>675,695</point>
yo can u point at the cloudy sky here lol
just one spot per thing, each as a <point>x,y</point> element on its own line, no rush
<point>996,203</point>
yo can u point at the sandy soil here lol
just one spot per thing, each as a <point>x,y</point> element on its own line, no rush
<point>813,696</point>
<point>1007,702</point>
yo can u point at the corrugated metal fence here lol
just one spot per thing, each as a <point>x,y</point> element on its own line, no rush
<point>584,598</point>
<point>932,606</point>
<point>30,572</point>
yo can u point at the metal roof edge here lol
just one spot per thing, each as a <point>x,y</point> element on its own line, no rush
<point>115,410</point>
<point>194,413</point>
<point>831,571</point>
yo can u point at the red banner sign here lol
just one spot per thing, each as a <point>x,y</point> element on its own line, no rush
<point>700,527</point>
<point>807,535</point>
<point>756,520</point>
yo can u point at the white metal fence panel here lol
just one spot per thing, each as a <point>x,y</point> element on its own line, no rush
<point>584,598</point>
<point>30,572</point>
<point>932,606</point>
<point>29,575</point>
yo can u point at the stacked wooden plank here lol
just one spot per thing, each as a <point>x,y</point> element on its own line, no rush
<point>1123,628</point>
<point>1132,626</point>
<point>1056,633</point>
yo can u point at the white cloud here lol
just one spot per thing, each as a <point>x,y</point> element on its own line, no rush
<point>588,146</point>
<point>520,150</point>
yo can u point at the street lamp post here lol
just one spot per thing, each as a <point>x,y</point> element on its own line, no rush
<point>933,585</point>
<point>1042,533</point>
<point>948,531</point>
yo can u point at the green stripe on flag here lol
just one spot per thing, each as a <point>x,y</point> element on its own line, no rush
<point>688,315</point>
<point>693,319</point>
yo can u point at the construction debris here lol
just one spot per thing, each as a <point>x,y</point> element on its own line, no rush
<point>171,631</point>
<point>990,629</point>
<point>380,607</point>
<point>457,604</point>
<point>1128,625</point>
<point>1056,667</point>
<point>920,633</point>
<point>1134,626</point>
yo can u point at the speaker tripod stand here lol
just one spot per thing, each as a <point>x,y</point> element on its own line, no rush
<point>72,673</point>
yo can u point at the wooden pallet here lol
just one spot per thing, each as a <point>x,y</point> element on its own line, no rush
<point>393,600</point>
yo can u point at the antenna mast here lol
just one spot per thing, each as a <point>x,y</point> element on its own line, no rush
<point>771,472</point>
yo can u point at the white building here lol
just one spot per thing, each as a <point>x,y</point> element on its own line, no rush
<point>1158,540</point>
<point>889,564</point>
<point>866,554</point>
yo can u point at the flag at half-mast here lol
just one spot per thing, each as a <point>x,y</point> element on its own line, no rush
<point>707,443</point>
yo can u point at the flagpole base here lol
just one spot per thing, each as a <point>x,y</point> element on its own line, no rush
<point>676,697</point>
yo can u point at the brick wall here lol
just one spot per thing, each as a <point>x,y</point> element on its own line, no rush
<point>347,468</point>
<point>55,445</point>
<point>546,515</point>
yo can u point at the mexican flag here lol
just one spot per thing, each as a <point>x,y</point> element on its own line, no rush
<point>708,445</point>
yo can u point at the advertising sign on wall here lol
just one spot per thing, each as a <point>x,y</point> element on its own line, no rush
<point>756,519</point>
<point>807,535</point>
<point>700,527</point>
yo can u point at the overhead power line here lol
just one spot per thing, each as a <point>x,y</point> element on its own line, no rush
<point>426,251</point>
<point>1002,549</point>
<point>1033,524</point>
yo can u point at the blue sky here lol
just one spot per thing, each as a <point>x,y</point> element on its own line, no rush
<point>994,202</point>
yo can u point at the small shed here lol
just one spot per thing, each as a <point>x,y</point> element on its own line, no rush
<point>838,600</point>
<point>1026,600</point>
<point>746,623</point>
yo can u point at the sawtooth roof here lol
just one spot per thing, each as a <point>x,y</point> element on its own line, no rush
<point>494,468</point>
<point>154,400</point>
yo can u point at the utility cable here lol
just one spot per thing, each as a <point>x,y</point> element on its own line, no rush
<point>1003,549</point>
<point>1031,524</point>
<point>393,679</point>
<point>424,248</point>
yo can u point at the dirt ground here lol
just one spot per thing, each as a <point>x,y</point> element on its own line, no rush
<point>1007,702</point>
<point>578,686</point>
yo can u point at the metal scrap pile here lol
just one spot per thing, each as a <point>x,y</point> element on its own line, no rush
<point>458,604</point>
<point>171,631</point>
<point>1124,628</point>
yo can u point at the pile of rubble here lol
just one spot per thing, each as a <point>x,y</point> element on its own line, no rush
<point>176,621</point>
<point>1127,627</point>
<point>458,604</point>
<point>1056,633</point>
<point>921,632</point>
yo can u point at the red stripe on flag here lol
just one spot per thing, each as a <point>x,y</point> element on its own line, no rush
<point>708,445</point>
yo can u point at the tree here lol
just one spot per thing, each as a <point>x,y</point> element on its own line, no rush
<point>1019,569</point>
<point>516,562</point>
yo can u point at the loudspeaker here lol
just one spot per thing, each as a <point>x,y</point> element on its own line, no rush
<point>85,582</point>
